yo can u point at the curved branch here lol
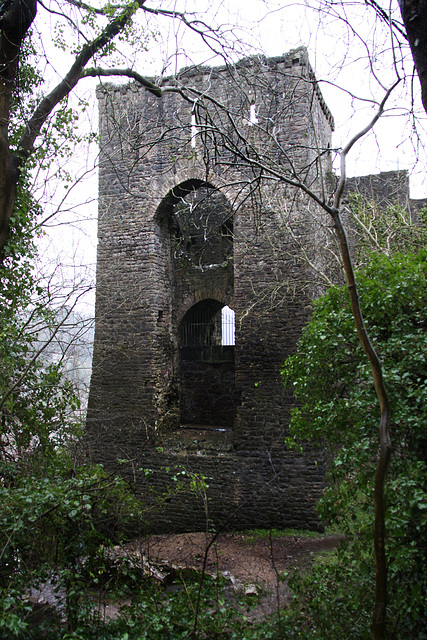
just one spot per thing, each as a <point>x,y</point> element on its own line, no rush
<point>65,17</point>
<point>96,72</point>
<point>352,142</point>
<point>385,17</point>
<point>46,106</point>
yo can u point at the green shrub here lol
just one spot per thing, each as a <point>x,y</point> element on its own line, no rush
<point>337,407</point>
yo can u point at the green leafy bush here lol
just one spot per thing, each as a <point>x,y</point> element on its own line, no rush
<point>337,407</point>
<point>57,515</point>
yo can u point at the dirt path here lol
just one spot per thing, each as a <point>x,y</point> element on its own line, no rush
<point>248,558</point>
<point>248,561</point>
<point>251,563</point>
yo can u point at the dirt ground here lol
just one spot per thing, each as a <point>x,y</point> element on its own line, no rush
<point>251,563</point>
<point>249,558</point>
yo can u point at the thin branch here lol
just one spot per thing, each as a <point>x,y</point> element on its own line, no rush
<point>385,17</point>
<point>38,353</point>
<point>65,17</point>
<point>100,11</point>
<point>352,142</point>
<point>49,102</point>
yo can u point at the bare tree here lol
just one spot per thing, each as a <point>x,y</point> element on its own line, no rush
<point>98,28</point>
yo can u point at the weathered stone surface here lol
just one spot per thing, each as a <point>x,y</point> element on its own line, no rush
<point>155,264</point>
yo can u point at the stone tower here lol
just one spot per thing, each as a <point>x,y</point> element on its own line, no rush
<point>201,294</point>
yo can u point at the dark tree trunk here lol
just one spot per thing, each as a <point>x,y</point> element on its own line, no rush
<point>16,17</point>
<point>414,15</point>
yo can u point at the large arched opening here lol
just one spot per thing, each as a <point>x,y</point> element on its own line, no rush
<point>196,224</point>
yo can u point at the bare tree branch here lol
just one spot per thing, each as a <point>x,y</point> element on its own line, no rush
<point>129,73</point>
<point>46,106</point>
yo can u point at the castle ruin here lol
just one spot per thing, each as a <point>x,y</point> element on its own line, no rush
<point>202,292</point>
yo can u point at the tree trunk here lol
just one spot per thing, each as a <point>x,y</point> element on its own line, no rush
<point>414,15</point>
<point>16,17</point>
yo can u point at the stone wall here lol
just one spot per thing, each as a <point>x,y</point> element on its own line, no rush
<point>154,265</point>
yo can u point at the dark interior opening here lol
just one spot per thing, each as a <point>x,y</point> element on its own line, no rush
<point>202,228</point>
<point>208,396</point>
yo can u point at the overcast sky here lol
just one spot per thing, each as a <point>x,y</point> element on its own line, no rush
<point>349,81</point>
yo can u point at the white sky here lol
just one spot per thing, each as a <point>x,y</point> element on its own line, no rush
<point>250,27</point>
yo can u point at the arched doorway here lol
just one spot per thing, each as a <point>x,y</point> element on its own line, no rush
<point>195,229</point>
<point>202,267</point>
<point>206,348</point>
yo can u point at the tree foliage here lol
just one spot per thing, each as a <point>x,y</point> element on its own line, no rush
<point>57,514</point>
<point>332,382</point>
